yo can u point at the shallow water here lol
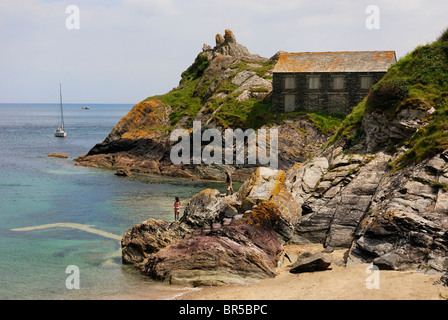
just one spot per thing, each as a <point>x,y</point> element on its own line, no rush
<point>36,190</point>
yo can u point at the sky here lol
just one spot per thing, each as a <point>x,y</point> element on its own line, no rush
<point>123,51</point>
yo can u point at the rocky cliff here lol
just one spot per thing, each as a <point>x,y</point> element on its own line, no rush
<point>225,87</point>
<point>379,189</point>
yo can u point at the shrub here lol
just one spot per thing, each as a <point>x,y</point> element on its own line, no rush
<point>196,70</point>
<point>387,94</point>
<point>444,36</point>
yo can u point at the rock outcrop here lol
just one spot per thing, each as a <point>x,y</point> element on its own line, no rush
<point>219,239</point>
<point>146,238</point>
<point>396,220</point>
<point>407,222</point>
<point>58,155</point>
<point>334,192</point>
<point>236,253</point>
<point>380,189</point>
<point>225,75</point>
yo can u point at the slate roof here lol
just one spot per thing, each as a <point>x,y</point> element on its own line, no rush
<point>346,61</point>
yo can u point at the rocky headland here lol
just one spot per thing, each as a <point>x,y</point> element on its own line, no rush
<point>377,188</point>
<point>225,87</point>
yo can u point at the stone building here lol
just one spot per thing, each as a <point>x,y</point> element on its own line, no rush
<point>328,82</point>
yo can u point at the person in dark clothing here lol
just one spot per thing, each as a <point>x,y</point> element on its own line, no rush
<point>229,183</point>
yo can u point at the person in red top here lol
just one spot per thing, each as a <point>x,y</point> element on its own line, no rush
<point>176,209</point>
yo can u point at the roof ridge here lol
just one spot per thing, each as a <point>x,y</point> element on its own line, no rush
<point>336,61</point>
<point>351,51</point>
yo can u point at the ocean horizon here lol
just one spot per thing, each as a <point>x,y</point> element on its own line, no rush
<point>55,215</point>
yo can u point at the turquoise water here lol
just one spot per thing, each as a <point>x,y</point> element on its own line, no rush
<point>36,190</point>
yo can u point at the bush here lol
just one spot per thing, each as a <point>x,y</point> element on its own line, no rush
<point>443,37</point>
<point>387,94</point>
<point>196,70</point>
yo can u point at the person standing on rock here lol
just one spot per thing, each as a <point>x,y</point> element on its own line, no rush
<point>176,209</point>
<point>229,183</point>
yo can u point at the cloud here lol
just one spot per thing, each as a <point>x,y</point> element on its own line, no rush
<point>127,50</point>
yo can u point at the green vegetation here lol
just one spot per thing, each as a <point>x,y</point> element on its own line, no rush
<point>255,114</point>
<point>426,72</point>
<point>183,100</point>
<point>326,123</point>
<point>351,128</point>
<point>196,70</point>
<point>387,95</point>
<point>188,98</point>
<point>417,81</point>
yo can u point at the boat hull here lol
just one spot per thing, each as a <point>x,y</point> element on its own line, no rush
<point>60,134</point>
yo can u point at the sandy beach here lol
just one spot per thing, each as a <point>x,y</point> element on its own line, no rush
<point>354,282</point>
<point>339,283</point>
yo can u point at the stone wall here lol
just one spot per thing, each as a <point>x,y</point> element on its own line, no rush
<point>325,98</point>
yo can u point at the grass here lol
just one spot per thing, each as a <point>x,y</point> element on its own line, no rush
<point>351,127</point>
<point>426,72</point>
<point>255,114</point>
<point>188,99</point>
<point>182,101</point>
<point>417,81</point>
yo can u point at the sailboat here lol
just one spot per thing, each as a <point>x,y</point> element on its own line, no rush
<point>60,133</point>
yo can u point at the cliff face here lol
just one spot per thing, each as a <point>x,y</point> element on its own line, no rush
<point>379,189</point>
<point>225,87</point>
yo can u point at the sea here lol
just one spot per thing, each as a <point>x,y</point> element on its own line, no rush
<point>61,224</point>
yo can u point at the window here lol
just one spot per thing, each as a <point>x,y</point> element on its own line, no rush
<point>338,82</point>
<point>290,102</point>
<point>313,82</point>
<point>290,83</point>
<point>366,82</point>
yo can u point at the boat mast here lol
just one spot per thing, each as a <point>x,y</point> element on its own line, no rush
<point>62,111</point>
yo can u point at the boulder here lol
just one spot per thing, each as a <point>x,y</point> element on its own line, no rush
<point>309,263</point>
<point>242,76</point>
<point>123,172</point>
<point>146,238</point>
<point>268,186</point>
<point>264,184</point>
<point>217,240</point>
<point>58,155</point>
<point>219,39</point>
<point>207,207</point>
<point>239,252</point>
<point>253,82</point>
<point>229,37</point>
<point>444,280</point>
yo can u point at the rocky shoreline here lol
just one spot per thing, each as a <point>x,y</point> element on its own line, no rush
<point>378,189</point>
<point>395,219</point>
<point>220,239</point>
<point>240,238</point>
